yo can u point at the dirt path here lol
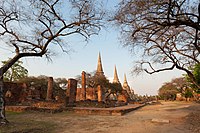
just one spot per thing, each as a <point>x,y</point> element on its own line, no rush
<point>139,121</point>
<point>169,117</point>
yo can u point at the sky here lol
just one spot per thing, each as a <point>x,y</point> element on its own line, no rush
<point>84,55</point>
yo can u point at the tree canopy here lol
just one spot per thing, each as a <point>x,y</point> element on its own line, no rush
<point>16,72</point>
<point>164,32</point>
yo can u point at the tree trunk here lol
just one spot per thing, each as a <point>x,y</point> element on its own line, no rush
<point>3,120</point>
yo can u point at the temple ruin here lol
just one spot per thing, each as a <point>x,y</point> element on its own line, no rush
<point>32,94</point>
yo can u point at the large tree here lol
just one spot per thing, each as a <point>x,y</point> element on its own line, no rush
<point>164,32</point>
<point>29,27</point>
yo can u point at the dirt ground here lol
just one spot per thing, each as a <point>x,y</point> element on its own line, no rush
<point>167,117</point>
<point>139,121</point>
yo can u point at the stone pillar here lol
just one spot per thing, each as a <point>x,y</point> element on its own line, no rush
<point>83,89</point>
<point>50,89</point>
<point>71,92</point>
<point>99,89</point>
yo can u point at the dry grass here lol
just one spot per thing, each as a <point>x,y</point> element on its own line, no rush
<point>25,122</point>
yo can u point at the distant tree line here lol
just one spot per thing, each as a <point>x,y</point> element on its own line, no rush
<point>182,85</point>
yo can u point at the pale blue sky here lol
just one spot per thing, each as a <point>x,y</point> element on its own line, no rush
<point>84,57</point>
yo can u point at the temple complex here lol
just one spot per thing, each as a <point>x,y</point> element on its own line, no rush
<point>100,72</point>
<point>126,88</point>
<point>94,91</point>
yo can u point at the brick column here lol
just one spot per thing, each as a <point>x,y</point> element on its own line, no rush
<point>93,94</point>
<point>99,92</point>
<point>71,92</point>
<point>50,89</point>
<point>83,89</point>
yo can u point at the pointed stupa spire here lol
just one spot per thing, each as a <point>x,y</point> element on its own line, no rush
<point>125,85</point>
<point>116,79</point>
<point>99,66</point>
<point>125,80</point>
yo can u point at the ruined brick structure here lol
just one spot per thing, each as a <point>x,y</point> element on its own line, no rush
<point>91,94</point>
<point>19,93</point>
<point>25,94</point>
<point>15,92</point>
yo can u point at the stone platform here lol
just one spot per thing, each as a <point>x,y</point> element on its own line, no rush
<point>80,110</point>
<point>17,108</point>
<point>107,111</point>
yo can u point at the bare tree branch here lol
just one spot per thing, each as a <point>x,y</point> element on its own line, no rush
<point>165,31</point>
